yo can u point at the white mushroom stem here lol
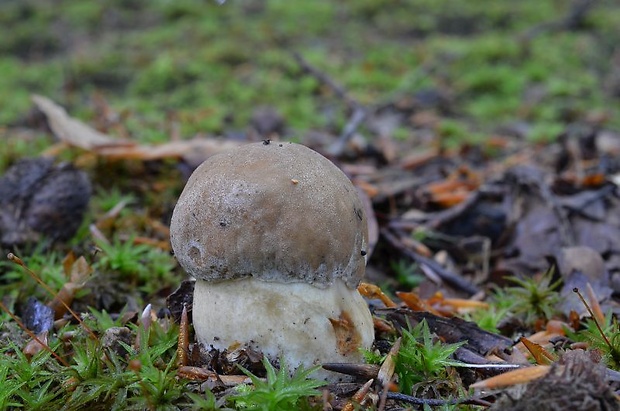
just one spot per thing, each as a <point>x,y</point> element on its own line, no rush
<point>301,323</point>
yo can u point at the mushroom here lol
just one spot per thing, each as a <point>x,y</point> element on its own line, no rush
<point>275,235</point>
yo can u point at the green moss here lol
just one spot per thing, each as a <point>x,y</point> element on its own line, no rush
<point>163,75</point>
<point>210,65</point>
<point>84,14</point>
<point>17,146</point>
<point>20,79</point>
<point>205,67</point>
<point>545,132</point>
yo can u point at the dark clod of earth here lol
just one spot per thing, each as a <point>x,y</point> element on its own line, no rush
<point>41,201</point>
<point>576,382</point>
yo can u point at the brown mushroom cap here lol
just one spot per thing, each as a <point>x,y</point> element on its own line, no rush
<point>276,212</point>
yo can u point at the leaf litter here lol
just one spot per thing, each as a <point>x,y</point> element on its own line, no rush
<point>467,222</point>
<point>477,223</point>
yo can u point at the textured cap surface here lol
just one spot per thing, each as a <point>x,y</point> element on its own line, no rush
<point>278,212</point>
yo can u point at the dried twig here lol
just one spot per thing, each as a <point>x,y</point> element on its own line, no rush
<point>396,396</point>
<point>449,277</point>
<point>325,79</point>
<point>359,112</point>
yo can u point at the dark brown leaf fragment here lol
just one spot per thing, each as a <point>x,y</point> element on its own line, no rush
<point>452,330</point>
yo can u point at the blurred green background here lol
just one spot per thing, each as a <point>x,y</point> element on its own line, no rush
<point>197,66</point>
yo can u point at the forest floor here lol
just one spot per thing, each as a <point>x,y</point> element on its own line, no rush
<point>484,138</point>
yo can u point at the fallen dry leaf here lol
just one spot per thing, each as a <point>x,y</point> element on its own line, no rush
<point>198,149</point>
<point>413,301</point>
<point>541,356</point>
<point>510,378</point>
<point>70,130</point>
<point>78,134</point>
<point>359,397</point>
<point>80,272</point>
<point>371,291</point>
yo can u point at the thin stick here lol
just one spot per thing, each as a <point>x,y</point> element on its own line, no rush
<point>360,112</point>
<point>325,79</point>
<point>33,335</point>
<point>576,291</point>
<point>396,396</point>
<point>447,276</point>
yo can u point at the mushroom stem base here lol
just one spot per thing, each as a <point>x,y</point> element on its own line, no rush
<point>297,322</point>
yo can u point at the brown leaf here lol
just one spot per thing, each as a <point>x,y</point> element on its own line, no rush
<point>35,346</point>
<point>80,272</point>
<point>371,291</point>
<point>198,148</point>
<point>413,301</point>
<point>358,397</point>
<point>78,134</point>
<point>386,372</point>
<point>542,356</point>
<point>183,339</point>
<point>510,378</point>
<point>70,130</point>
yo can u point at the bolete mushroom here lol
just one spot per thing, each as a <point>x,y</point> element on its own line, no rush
<point>275,235</point>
